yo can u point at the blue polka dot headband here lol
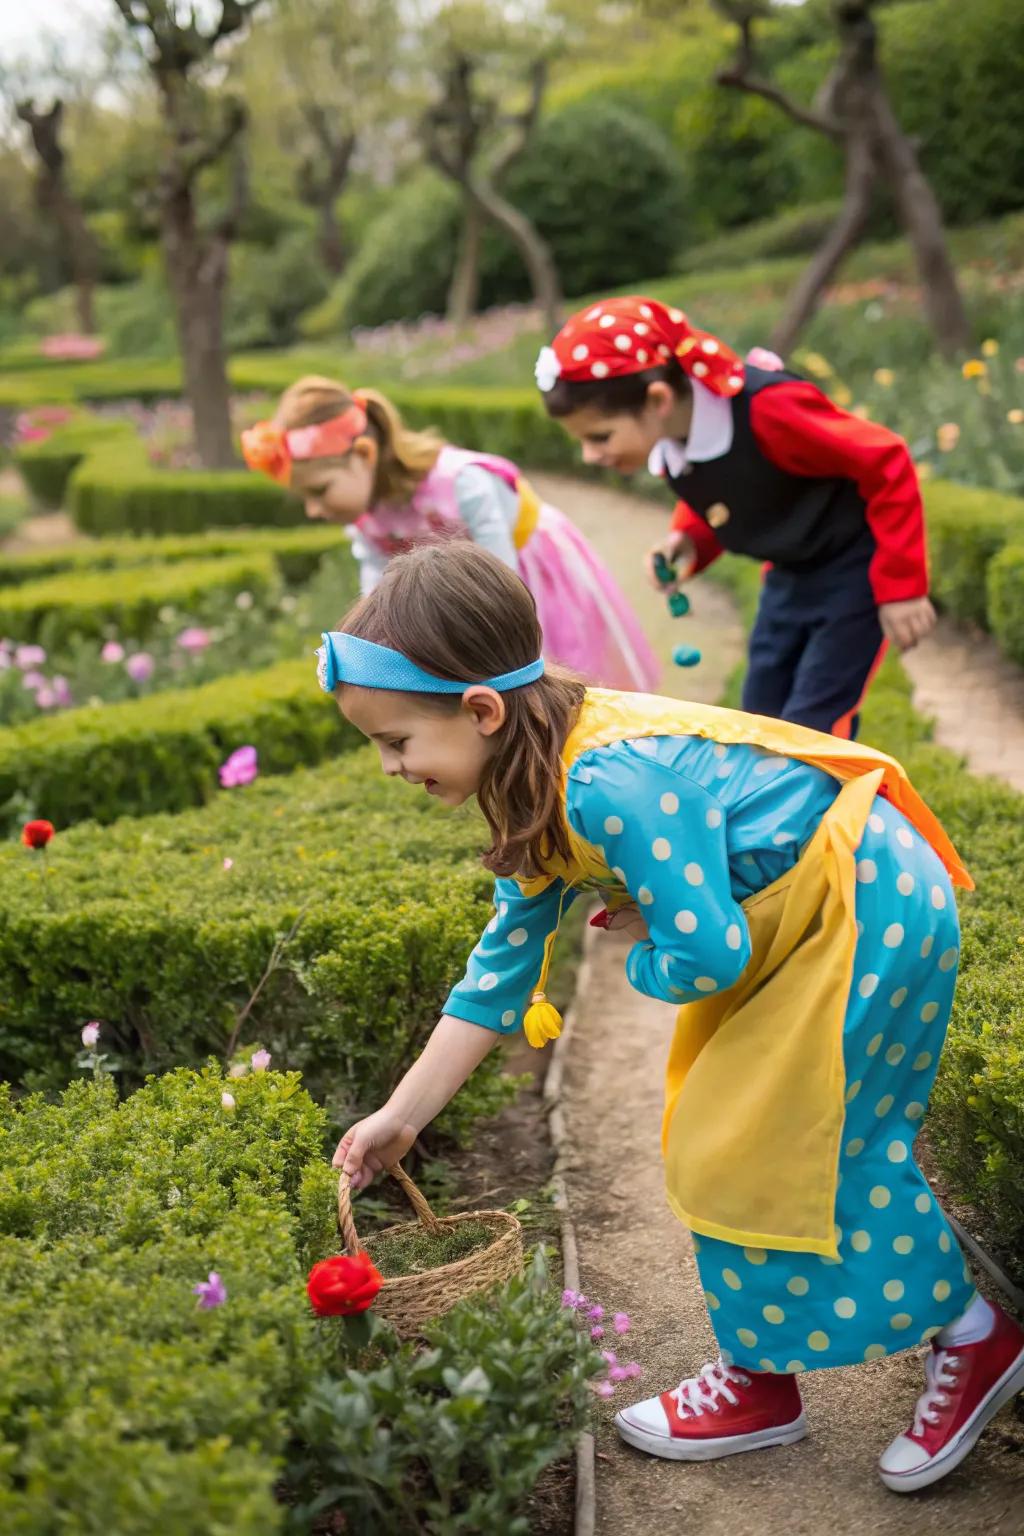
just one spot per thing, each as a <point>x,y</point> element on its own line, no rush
<point>347,659</point>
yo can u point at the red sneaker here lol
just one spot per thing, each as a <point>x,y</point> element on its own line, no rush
<point>967,1386</point>
<point>716,1413</point>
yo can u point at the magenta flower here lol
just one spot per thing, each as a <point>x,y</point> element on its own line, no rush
<point>597,1333</point>
<point>194,640</point>
<point>260,1061</point>
<point>33,680</point>
<point>90,1035</point>
<point>140,666</point>
<point>26,656</point>
<point>604,1389</point>
<point>570,1298</point>
<point>596,1313</point>
<point>46,698</point>
<point>240,768</point>
<point>62,691</point>
<point>211,1292</point>
<point>610,1356</point>
<point>621,1323</point>
<point>112,651</point>
<point>228,864</point>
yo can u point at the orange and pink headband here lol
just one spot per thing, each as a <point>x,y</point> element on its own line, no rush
<point>272,449</point>
<point>623,336</point>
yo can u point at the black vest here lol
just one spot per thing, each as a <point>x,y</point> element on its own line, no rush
<point>756,508</point>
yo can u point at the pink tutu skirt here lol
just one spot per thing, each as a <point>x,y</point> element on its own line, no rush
<point>588,625</point>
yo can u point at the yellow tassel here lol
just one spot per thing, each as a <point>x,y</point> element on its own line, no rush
<point>542,1021</point>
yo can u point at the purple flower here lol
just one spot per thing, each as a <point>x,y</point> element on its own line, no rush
<point>140,666</point>
<point>90,1035</point>
<point>610,1356</point>
<point>620,1322</point>
<point>618,1373</point>
<point>29,656</point>
<point>194,640</point>
<point>596,1313</point>
<point>260,1061</point>
<point>604,1389</point>
<point>112,651</point>
<point>46,698</point>
<point>597,1333</point>
<point>211,1292</point>
<point>33,680</point>
<point>570,1298</point>
<point>240,768</point>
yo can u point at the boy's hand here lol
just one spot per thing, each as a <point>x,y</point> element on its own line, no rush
<point>372,1145</point>
<point>629,920</point>
<point>907,622</point>
<point>679,550</point>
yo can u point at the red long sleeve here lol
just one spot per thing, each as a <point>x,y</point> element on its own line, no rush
<point>685,520</point>
<point>801,431</point>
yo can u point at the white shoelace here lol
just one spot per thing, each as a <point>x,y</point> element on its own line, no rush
<point>939,1373</point>
<point>702,1392</point>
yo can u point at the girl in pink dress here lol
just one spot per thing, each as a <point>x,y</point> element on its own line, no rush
<point>351,459</point>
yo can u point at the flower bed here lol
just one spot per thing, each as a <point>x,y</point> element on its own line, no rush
<point>163,1369</point>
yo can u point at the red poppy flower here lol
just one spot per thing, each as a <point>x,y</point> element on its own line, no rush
<point>36,834</point>
<point>342,1287</point>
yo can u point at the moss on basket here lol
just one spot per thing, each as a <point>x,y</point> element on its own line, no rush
<point>415,1252</point>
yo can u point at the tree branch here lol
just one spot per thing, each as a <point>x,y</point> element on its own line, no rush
<point>522,123</point>
<point>740,77</point>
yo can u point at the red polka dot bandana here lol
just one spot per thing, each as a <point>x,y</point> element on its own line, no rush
<point>621,336</point>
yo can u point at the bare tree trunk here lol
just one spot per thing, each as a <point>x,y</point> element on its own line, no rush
<point>464,290</point>
<point>922,220</point>
<point>533,248</point>
<point>197,271</point>
<point>841,238</point>
<point>55,200</point>
<point>330,241</point>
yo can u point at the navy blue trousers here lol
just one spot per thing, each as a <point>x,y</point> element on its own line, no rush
<point>815,644</point>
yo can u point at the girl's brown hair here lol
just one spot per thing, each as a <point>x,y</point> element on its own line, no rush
<point>459,613</point>
<point>617,396</point>
<point>403,456</point>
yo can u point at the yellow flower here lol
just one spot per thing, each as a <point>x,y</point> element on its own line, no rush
<point>990,348</point>
<point>947,436</point>
<point>885,377</point>
<point>862,411</point>
<point>1016,416</point>
<point>924,471</point>
<point>813,362</point>
<point>974,368</point>
<point>841,395</point>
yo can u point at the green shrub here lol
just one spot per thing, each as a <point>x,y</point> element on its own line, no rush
<point>140,925</point>
<point>57,608</point>
<point>115,491</point>
<point>1006,600</point>
<point>162,753</point>
<point>966,528</point>
<point>976,1116</point>
<point>794,232</point>
<point>124,1407</point>
<point>297,552</point>
<point>47,466</point>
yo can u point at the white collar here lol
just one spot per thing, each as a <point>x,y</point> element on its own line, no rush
<point>710,435</point>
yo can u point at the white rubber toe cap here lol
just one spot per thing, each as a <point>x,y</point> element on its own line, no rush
<point>649,1416</point>
<point>903,1455</point>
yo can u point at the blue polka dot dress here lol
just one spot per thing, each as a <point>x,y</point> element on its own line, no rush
<point>742,817</point>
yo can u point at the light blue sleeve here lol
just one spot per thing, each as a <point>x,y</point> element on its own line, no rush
<point>489,508</point>
<point>664,837</point>
<point>372,564</point>
<point>503,969</point>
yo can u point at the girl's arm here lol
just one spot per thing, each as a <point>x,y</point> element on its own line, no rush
<point>453,1051</point>
<point>489,508</point>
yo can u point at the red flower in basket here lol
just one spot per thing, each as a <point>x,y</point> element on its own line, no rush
<point>342,1287</point>
<point>36,834</point>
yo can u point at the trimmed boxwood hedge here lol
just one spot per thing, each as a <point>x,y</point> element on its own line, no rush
<point>1005,591</point>
<point>162,753</point>
<point>58,608</point>
<point>47,466</point>
<point>967,527</point>
<point>976,1116</point>
<point>297,552</point>
<point>141,925</point>
<point>126,1408</point>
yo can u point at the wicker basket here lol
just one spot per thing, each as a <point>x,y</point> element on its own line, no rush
<point>410,1301</point>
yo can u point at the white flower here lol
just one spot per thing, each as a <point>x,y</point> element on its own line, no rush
<point>260,1061</point>
<point>321,666</point>
<point>547,369</point>
<point>238,1070</point>
<point>227,1101</point>
<point>244,600</point>
<point>90,1035</point>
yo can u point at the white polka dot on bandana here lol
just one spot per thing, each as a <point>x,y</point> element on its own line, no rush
<point>641,355</point>
<point>640,328</point>
<point>646,311</point>
<point>580,352</point>
<point>623,342</point>
<point>606,322</point>
<point>592,314</point>
<point>599,370</point>
<point>710,347</point>
<point>676,315</point>
<point>700,369</point>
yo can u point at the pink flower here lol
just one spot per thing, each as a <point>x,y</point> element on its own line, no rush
<point>238,1070</point>
<point>112,652</point>
<point>610,1356</point>
<point>618,1373</point>
<point>228,864</point>
<point>194,640</point>
<point>621,1323</point>
<point>596,1313</point>
<point>597,1333</point>
<point>33,680</point>
<point>29,656</point>
<point>46,698</point>
<point>260,1061</point>
<point>763,357</point>
<point>227,1100</point>
<point>71,346</point>
<point>605,1389</point>
<point>90,1035</point>
<point>211,1292</point>
<point>240,768</point>
<point>63,692</point>
<point>140,666</point>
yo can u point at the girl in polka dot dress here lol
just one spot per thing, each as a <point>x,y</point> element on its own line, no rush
<point>354,462</point>
<point>792,895</point>
<point>762,464</point>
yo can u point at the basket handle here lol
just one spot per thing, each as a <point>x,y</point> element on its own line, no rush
<point>424,1215</point>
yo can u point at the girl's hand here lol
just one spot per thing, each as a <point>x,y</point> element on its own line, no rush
<point>372,1145</point>
<point>629,920</point>
<point>679,550</point>
<point>907,622</point>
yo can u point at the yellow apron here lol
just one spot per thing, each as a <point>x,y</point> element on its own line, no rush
<point>755,1084</point>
